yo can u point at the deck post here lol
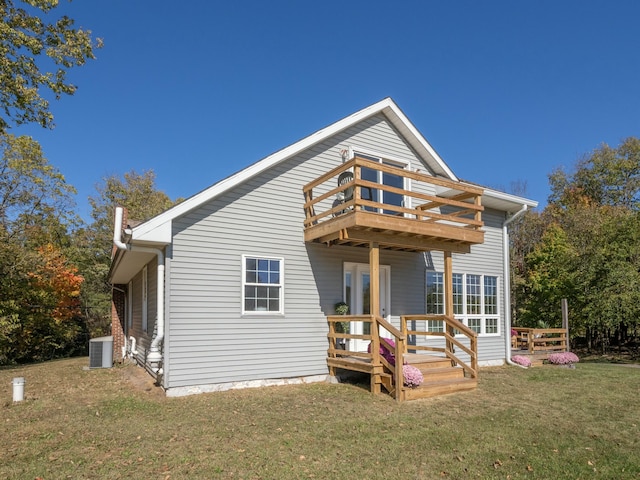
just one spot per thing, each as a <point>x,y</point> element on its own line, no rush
<point>565,323</point>
<point>374,308</point>
<point>448,293</point>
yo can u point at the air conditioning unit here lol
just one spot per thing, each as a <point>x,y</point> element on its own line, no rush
<point>101,352</point>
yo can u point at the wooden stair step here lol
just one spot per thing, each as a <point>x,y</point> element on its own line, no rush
<point>441,387</point>
<point>443,373</point>
<point>426,361</point>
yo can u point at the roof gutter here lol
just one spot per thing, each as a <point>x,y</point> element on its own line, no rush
<point>154,358</point>
<point>506,262</point>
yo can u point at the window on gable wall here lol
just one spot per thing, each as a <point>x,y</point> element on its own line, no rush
<point>475,301</point>
<point>262,284</point>
<point>382,178</point>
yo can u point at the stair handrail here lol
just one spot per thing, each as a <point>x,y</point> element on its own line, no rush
<point>398,350</point>
<point>451,324</point>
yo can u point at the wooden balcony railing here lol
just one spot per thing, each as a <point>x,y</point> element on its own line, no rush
<point>450,329</point>
<point>342,203</point>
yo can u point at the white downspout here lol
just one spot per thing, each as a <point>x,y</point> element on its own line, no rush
<point>507,281</point>
<point>132,345</point>
<point>154,351</point>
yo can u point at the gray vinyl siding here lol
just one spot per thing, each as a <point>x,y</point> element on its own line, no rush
<point>484,259</point>
<point>210,341</point>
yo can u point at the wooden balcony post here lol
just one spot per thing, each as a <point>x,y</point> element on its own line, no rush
<point>374,310</point>
<point>357,194</point>
<point>448,295</point>
<point>374,278</point>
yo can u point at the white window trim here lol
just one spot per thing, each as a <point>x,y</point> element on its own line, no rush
<point>244,283</point>
<point>464,317</point>
<point>353,150</point>
<point>402,163</point>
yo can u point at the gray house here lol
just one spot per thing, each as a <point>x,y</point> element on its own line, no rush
<point>238,285</point>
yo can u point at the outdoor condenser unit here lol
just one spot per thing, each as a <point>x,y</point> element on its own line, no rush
<point>101,352</point>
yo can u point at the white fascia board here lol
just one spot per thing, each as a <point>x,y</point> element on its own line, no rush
<point>154,229</point>
<point>160,234</point>
<point>406,128</point>
<point>506,201</point>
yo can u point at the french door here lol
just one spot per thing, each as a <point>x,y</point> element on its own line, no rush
<point>357,294</point>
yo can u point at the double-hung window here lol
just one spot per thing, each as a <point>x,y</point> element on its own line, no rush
<point>475,301</point>
<point>262,284</point>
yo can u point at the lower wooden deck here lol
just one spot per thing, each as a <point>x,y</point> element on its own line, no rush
<point>440,376</point>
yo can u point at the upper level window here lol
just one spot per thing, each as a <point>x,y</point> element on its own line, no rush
<point>262,287</point>
<point>382,178</point>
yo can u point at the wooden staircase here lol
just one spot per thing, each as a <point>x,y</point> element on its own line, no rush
<point>444,373</point>
<point>440,377</point>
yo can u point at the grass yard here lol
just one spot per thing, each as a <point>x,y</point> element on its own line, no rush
<point>541,423</point>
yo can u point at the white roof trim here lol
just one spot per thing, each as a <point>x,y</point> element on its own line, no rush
<point>505,201</point>
<point>148,231</point>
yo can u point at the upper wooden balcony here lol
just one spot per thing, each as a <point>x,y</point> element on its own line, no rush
<point>364,201</point>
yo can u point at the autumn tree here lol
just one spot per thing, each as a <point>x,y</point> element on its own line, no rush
<point>35,202</point>
<point>50,324</point>
<point>589,250</point>
<point>37,51</point>
<point>548,279</point>
<point>606,177</point>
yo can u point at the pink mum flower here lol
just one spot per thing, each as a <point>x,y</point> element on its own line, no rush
<point>521,360</point>
<point>563,358</point>
<point>412,376</point>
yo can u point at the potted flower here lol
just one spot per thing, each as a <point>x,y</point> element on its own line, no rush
<point>341,308</point>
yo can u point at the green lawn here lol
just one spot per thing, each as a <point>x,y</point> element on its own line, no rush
<point>542,423</point>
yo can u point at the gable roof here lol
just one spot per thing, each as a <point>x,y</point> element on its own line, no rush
<point>158,229</point>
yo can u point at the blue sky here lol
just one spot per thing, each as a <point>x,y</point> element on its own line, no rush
<point>505,91</point>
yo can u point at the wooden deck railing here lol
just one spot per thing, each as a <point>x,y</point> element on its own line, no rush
<point>450,330</point>
<point>541,339</point>
<point>460,207</point>
<point>383,372</point>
